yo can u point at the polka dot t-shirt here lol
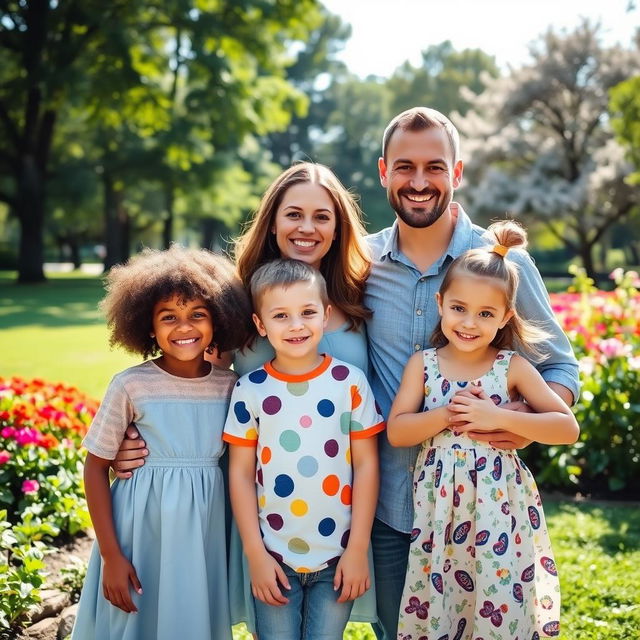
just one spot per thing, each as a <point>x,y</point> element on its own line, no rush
<point>302,427</point>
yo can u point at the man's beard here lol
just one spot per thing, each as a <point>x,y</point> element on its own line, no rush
<point>419,216</point>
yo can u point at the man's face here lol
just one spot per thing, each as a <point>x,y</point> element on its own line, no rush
<point>419,175</point>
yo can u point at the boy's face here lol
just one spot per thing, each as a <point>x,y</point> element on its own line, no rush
<point>293,319</point>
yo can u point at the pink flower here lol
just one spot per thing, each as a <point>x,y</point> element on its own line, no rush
<point>612,348</point>
<point>8,432</point>
<point>30,487</point>
<point>5,456</point>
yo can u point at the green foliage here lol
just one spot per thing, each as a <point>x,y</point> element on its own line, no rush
<point>72,578</point>
<point>624,106</point>
<point>21,566</point>
<point>604,328</point>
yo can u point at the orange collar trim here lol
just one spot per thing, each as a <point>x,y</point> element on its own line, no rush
<point>302,377</point>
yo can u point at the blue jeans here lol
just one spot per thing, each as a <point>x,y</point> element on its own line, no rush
<point>390,559</point>
<point>312,612</point>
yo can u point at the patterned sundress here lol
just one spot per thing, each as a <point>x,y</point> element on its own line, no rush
<point>480,562</point>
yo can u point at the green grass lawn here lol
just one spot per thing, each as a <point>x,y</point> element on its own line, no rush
<point>55,331</point>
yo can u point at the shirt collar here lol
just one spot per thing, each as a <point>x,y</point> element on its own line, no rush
<point>461,240</point>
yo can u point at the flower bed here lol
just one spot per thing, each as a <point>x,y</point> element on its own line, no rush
<point>604,328</point>
<point>41,492</point>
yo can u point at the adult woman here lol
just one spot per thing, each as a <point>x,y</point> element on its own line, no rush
<point>307,214</point>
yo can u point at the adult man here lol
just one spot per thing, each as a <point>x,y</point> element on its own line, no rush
<point>420,169</point>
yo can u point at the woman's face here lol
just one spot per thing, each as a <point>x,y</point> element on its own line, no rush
<point>305,223</point>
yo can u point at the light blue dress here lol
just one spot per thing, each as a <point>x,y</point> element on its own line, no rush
<point>350,346</point>
<point>169,516</point>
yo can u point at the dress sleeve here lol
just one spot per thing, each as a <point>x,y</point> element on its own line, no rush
<point>113,417</point>
<point>366,420</point>
<point>241,426</point>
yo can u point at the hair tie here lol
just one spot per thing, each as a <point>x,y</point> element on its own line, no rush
<point>500,249</point>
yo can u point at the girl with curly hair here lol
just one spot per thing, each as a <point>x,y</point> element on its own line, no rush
<point>160,549</point>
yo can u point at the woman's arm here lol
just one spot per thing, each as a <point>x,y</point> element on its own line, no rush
<point>263,567</point>
<point>407,425</point>
<point>352,572</point>
<point>552,423</point>
<point>118,572</point>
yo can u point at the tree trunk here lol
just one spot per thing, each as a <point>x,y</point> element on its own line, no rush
<point>211,234</point>
<point>30,203</point>
<point>116,223</point>
<point>586,255</point>
<point>167,227</point>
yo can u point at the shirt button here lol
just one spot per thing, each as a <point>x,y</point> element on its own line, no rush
<point>419,312</point>
<point>417,347</point>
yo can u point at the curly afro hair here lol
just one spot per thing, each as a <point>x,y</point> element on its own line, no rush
<point>133,289</point>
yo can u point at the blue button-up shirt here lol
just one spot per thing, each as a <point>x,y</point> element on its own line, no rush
<point>404,316</point>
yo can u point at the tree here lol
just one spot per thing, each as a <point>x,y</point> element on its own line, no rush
<point>231,56</point>
<point>540,146</point>
<point>437,81</point>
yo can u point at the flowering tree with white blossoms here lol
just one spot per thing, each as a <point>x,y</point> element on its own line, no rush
<point>538,142</point>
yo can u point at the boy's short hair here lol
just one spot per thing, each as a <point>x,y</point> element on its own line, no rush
<point>284,273</point>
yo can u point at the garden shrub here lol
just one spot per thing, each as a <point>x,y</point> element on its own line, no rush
<point>604,328</point>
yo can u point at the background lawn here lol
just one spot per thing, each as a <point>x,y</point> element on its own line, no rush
<point>55,331</point>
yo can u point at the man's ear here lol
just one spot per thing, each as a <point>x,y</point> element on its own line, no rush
<point>259,326</point>
<point>382,172</point>
<point>458,170</point>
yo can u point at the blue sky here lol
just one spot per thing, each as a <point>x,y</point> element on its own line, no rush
<point>385,33</point>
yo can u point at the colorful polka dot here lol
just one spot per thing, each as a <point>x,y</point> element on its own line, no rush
<point>265,455</point>
<point>331,485</point>
<point>356,426</point>
<point>289,440</point>
<point>297,388</point>
<point>283,485</point>
<point>331,448</point>
<point>356,398</point>
<point>271,405</point>
<point>306,422</point>
<point>251,434</point>
<point>275,520</point>
<point>326,526</point>
<point>348,456</point>
<point>339,372</point>
<point>299,507</point>
<point>326,408</point>
<point>345,495</point>
<point>258,377</point>
<point>259,477</point>
<point>307,466</point>
<point>241,413</point>
<point>262,500</point>
<point>344,540</point>
<point>298,545</point>
<point>345,422</point>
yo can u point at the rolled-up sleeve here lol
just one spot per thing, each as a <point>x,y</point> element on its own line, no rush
<point>533,304</point>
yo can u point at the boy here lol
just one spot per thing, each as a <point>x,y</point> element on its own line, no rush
<point>302,451</point>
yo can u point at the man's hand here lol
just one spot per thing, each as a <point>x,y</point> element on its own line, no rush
<point>131,454</point>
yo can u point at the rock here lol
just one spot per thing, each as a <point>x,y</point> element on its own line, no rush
<point>67,618</point>
<point>53,601</point>
<point>46,629</point>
